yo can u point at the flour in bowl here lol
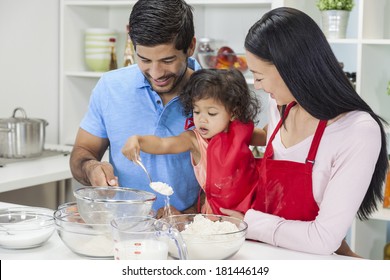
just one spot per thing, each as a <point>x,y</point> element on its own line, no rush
<point>212,240</point>
<point>162,188</point>
<point>204,226</point>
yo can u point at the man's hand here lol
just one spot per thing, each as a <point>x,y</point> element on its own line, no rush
<point>100,173</point>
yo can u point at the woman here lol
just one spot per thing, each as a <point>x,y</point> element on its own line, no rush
<point>326,156</point>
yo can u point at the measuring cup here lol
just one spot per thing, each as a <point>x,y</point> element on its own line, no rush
<point>144,238</point>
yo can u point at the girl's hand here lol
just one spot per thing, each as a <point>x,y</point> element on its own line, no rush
<point>131,149</point>
<point>232,213</point>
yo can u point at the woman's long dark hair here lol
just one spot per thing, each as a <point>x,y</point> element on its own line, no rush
<point>293,42</point>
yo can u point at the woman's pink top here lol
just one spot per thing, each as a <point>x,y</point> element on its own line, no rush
<point>342,172</point>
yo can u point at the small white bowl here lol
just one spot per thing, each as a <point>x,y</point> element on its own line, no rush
<point>98,44</point>
<point>100,31</point>
<point>102,51</point>
<point>97,62</point>
<point>25,227</point>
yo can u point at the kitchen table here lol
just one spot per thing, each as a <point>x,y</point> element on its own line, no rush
<point>55,249</point>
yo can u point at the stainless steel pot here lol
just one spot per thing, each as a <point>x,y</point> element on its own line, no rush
<point>21,137</point>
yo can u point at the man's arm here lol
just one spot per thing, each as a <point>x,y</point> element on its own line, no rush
<point>85,163</point>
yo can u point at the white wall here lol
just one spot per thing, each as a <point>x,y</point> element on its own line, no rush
<point>29,43</point>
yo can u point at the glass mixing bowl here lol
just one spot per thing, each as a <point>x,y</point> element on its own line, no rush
<point>25,227</point>
<point>87,240</point>
<point>100,205</point>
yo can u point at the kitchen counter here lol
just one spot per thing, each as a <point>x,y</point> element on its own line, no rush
<point>36,171</point>
<point>55,249</point>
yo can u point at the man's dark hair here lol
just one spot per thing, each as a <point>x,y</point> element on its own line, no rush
<point>156,22</point>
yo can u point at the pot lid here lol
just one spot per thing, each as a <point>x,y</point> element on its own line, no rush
<point>22,119</point>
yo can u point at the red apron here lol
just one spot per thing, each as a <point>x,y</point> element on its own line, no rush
<point>232,173</point>
<point>286,188</point>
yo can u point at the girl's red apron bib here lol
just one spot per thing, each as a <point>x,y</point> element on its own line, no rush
<point>232,171</point>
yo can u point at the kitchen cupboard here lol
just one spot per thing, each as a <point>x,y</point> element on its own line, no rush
<point>366,51</point>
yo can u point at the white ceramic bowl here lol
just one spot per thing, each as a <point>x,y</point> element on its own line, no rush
<point>25,227</point>
<point>97,64</point>
<point>87,240</point>
<point>99,51</point>
<point>97,48</point>
<point>215,237</point>
<point>100,31</point>
<point>100,205</point>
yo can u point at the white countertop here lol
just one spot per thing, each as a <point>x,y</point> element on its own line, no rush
<point>55,249</point>
<point>36,171</point>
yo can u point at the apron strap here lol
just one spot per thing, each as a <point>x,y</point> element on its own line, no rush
<point>269,150</point>
<point>314,145</point>
<point>289,106</point>
<point>316,141</point>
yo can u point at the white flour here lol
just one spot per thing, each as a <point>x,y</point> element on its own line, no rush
<point>208,240</point>
<point>203,226</point>
<point>162,188</point>
<point>93,246</point>
<point>28,239</point>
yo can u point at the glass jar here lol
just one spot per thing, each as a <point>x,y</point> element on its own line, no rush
<point>205,45</point>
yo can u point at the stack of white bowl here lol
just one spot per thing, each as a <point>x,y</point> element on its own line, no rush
<point>97,48</point>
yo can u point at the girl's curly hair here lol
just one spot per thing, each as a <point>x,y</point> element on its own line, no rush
<point>226,86</point>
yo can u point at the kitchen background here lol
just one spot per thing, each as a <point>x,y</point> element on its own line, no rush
<point>42,68</point>
<point>29,59</point>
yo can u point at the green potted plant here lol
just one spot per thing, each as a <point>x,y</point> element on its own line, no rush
<point>335,15</point>
<point>326,5</point>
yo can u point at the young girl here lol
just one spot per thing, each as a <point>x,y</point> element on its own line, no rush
<point>223,110</point>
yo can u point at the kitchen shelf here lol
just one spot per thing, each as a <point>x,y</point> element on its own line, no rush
<point>383,214</point>
<point>376,42</point>
<point>86,74</point>
<point>343,41</point>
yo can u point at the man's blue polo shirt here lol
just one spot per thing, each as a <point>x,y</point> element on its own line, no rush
<point>123,104</point>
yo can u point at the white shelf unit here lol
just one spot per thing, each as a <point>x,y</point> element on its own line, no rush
<point>366,51</point>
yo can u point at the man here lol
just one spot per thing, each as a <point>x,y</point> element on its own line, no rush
<point>142,99</point>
